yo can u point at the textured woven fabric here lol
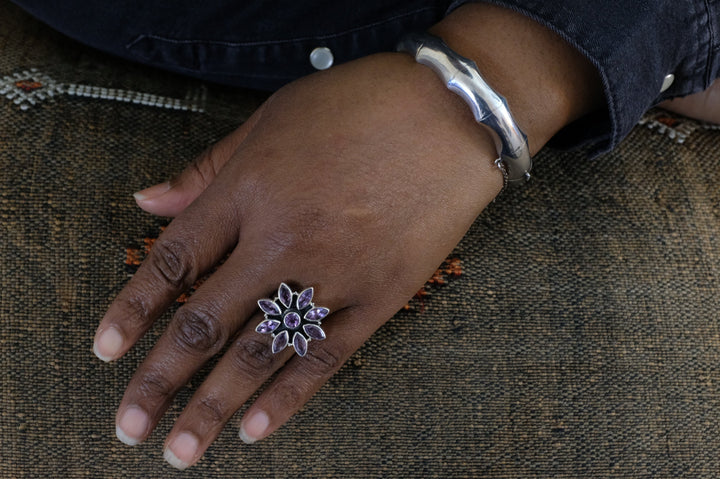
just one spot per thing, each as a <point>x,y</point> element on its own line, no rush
<point>580,340</point>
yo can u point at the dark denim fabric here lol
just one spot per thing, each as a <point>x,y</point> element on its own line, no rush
<point>633,43</point>
<point>252,44</point>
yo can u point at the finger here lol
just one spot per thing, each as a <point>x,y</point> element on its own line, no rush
<point>247,364</point>
<point>172,197</point>
<point>198,330</point>
<point>244,368</point>
<point>302,377</point>
<point>178,257</point>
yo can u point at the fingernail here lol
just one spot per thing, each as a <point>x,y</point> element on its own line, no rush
<point>254,427</point>
<point>132,426</point>
<point>152,192</point>
<point>181,452</point>
<point>108,344</point>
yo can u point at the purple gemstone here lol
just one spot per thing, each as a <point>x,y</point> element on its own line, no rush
<point>305,298</point>
<point>300,344</point>
<point>285,295</point>
<point>292,320</point>
<point>314,331</point>
<point>280,342</point>
<point>269,307</point>
<point>267,326</point>
<point>316,314</point>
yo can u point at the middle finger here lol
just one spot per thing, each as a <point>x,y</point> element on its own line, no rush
<point>197,332</point>
<point>243,369</point>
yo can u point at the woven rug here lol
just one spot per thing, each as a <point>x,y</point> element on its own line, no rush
<point>572,334</point>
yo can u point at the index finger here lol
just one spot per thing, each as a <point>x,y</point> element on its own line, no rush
<point>192,244</point>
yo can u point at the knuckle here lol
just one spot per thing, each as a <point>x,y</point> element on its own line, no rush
<point>137,310</point>
<point>253,356</point>
<point>155,386</point>
<point>324,359</point>
<point>291,395</point>
<point>172,261</point>
<point>211,409</point>
<point>198,330</point>
<point>203,169</point>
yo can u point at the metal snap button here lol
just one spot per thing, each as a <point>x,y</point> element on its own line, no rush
<point>321,58</point>
<point>667,81</point>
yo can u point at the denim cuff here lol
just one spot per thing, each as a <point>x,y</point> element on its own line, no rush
<point>634,44</point>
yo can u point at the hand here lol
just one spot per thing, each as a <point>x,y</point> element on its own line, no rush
<point>704,105</point>
<point>357,181</point>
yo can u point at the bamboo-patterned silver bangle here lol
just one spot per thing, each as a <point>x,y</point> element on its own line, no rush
<point>461,76</point>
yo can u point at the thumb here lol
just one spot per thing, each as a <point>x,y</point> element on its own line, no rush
<point>172,197</point>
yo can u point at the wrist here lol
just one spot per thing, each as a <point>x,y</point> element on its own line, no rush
<point>412,99</point>
<point>458,141</point>
<point>461,76</point>
<point>451,112</point>
<point>547,83</point>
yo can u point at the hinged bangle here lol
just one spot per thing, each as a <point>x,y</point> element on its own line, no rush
<point>461,76</point>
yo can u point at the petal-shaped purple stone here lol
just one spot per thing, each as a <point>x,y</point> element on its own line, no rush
<point>292,320</point>
<point>305,298</point>
<point>285,295</point>
<point>267,326</point>
<point>280,342</point>
<point>300,344</point>
<point>314,331</point>
<point>316,314</point>
<point>269,307</point>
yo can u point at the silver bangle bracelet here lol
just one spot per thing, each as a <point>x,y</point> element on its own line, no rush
<point>461,76</point>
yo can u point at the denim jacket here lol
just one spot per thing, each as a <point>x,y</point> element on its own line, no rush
<point>635,44</point>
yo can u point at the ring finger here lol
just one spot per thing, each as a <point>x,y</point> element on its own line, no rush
<point>198,331</point>
<point>247,364</point>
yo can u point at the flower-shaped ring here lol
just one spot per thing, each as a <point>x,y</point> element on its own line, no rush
<point>292,314</point>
